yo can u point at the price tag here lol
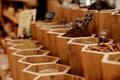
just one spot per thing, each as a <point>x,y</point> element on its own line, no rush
<point>26,17</point>
<point>33,14</point>
<point>79,20</point>
<point>50,15</point>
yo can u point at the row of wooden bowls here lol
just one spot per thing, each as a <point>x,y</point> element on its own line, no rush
<point>92,65</point>
<point>35,63</point>
<point>73,52</point>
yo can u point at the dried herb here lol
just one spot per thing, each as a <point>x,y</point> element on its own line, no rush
<point>80,27</point>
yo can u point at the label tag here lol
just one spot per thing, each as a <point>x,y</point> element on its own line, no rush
<point>26,17</point>
<point>50,15</point>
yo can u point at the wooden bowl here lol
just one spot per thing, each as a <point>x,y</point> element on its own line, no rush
<point>52,37</point>
<point>38,59</point>
<point>34,70</point>
<point>92,63</point>
<point>63,48</point>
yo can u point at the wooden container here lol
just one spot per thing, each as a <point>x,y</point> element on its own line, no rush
<point>111,68</point>
<point>21,41</point>
<point>59,77</point>
<point>60,13</point>
<point>64,13</point>
<point>44,36</point>
<point>68,14</point>
<point>63,48</point>
<point>74,51</point>
<point>25,53</point>
<point>34,70</point>
<point>41,32</point>
<point>115,27</point>
<point>92,25</point>
<point>26,61</point>
<point>92,63</point>
<point>33,31</point>
<point>52,37</point>
<point>78,13</point>
<point>9,52</point>
<point>103,21</point>
<point>39,24</point>
<point>34,27</point>
<point>8,45</point>
<point>12,62</point>
<point>12,42</point>
<point>9,41</point>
